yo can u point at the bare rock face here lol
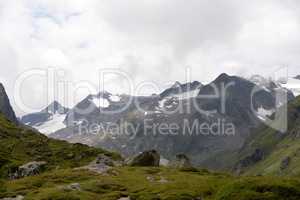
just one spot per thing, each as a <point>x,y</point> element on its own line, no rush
<point>148,158</point>
<point>29,169</point>
<point>181,162</point>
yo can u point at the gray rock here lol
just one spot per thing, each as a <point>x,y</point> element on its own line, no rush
<point>163,180</point>
<point>103,159</point>
<point>285,163</point>
<point>181,162</point>
<point>74,186</point>
<point>102,164</point>
<point>148,158</point>
<point>150,178</point>
<point>164,162</point>
<point>124,198</point>
<point>19,197</point>
<point>198,198</point>
<point>29,169</point>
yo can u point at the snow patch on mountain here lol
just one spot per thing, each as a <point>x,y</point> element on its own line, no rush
<point>293,85</point>
<point>187,95</point>
<point>172,100</point>
<point>55,123</point>
<point>263,113</point>
<point>100,102</point>
<point>115,98</point>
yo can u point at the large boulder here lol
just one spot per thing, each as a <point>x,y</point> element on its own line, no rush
<point>29,169</point>
<point>148,158</point>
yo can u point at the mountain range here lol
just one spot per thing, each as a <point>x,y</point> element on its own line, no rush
<point>176,105</point>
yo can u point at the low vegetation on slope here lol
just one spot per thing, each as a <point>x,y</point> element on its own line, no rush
<point>19,146</point>
<point>144,183</point>
<point>279,152</point>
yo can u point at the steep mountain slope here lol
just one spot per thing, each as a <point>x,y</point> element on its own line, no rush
<point>19,146</point>
<point>270,152</point>
<point>5,107</point>
<point>48,120</point>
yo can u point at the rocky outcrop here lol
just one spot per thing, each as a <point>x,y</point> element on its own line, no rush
<point>181,162</point>
<point>28,169</point>
<point>255,157</point>
<point>148,158</point>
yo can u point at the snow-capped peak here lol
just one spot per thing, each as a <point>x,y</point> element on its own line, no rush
<point>48,120</point>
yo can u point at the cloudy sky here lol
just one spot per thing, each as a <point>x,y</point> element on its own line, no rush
<point>149,40</point>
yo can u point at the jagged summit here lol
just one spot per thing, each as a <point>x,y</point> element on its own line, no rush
<point>225,78</point>
<point>176,84</point>
<point>5,106</point>
<point>55,107</point>
<point>178,88</point>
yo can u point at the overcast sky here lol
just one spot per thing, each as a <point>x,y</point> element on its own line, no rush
<point>149,39</point>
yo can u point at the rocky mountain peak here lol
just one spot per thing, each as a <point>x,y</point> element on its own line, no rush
<point>178,88</point>
<point>177,84</point>
<point>223,78</point>
<point>5,107</point>
<point>55,107</point>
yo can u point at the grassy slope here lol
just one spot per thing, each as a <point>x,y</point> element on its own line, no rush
<point>19,146</point>
<point>277,147</point>
<point>133,182</point>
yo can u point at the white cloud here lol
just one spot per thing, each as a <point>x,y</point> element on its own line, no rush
<point>152,40</point>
